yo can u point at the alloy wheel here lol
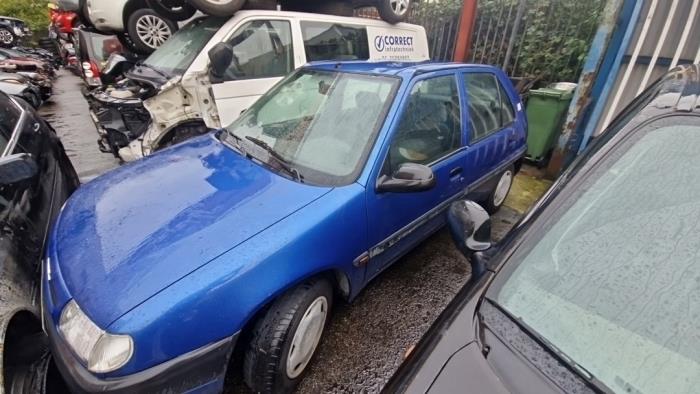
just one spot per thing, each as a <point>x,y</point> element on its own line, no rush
<point>306,337</point>
<point>152,30</point>
<point>6,37</point>
<point>399,6</point>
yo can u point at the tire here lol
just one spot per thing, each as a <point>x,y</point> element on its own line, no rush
<point>176,10</point>
<point>218,7</point>
<point>393,11</point>
<point>265,365</point>
<point>500,190</point>
<point>139,30</point>
<point>7,38</point>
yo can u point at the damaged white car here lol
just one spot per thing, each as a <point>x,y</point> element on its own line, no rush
<point>212,69</point>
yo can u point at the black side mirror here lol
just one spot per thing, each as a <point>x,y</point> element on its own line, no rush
<point>116,65</point>
<point>220,57</point>
<point>470,227</point>
<point>17,168</point>
<point>410,177</point>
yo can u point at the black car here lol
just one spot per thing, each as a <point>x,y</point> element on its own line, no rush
<point>597,289</point>
<point>36,178</point>
<point>12,30</point>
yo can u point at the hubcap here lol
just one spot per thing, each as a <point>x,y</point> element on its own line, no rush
<point>152,30</point>
<point>306,337</point>
<point>5,37</point>
<point>399,6</point>
<point>502,188</point>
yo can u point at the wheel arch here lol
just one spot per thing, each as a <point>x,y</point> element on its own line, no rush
<point>15,325</point>
<point>129,8</point>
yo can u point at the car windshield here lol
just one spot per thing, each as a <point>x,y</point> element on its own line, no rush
<point>612,276</point>
<point>176,54</point>
<point>320,122</point>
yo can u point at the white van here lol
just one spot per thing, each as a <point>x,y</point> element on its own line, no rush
<point>212,70</point>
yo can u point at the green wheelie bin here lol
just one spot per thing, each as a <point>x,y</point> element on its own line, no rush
<point>546,111</point>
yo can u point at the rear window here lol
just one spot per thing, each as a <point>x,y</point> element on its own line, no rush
<point>334,41</point>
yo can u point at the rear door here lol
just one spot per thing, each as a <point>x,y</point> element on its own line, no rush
<point>492,137</point>
<point>263,54</point>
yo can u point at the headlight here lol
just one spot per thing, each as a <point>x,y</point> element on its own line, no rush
<point>18,31</point>
<point>100,350</point>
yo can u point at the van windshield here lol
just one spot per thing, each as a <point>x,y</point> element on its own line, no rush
<point>176,54</point>
<point>322,123</point>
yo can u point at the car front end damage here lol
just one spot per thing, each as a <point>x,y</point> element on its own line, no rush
<point>135,119</point>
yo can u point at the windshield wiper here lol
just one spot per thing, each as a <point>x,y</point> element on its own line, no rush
<point>281,161</point>
<point>551,348</point>
<point>157,71</point>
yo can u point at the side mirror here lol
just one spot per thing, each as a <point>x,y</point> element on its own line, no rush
<point>220,57</point>
<point>116,65</point>
<point>17,168</point>
<point>470,227</point>
<point>410,177</point>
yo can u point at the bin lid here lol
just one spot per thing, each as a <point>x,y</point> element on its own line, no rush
<point>549,92</point>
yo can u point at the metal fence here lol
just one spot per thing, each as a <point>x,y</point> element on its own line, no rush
<point>541,39</point>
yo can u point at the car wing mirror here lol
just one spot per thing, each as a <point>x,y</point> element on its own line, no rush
<point>410,177</point>
<point>220,58</point>
<point>16,168</point>
<point>116,65</point>
<point>470,228</point>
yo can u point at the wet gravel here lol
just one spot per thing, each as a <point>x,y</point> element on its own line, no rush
<point>366,341</point>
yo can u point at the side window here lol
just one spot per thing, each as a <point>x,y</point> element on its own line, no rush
<point>334,41</point>
<point>489,106</point>
<point>10,115</point>
<point>430,125</point>
<point>261,49</point>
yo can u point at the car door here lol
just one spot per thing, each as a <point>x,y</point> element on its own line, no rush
<point>427,130</point>
<point>262,54</point>
<point>491,125</point>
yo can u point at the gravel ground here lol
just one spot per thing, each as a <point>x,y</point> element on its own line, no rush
<point>366,341</point>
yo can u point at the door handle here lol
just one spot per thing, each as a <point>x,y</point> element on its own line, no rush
<point>455,171</point>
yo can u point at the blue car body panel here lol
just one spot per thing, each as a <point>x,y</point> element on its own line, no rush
<point>185,247</point>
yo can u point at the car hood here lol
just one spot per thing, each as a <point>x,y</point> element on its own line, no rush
<point>12,88</point>
<point>130,233</point>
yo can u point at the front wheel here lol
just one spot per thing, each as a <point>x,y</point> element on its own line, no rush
<point>285,339</point>
<point>393,11</point>
<point>218,7</point>
<point>148,30</point>
<point>499,193</point>
<point>7,38</point>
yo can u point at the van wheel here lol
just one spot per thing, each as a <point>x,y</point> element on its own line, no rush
<point>149,30</point>
<point>393,11</point>
<point>285,339</point>
<point>218,7</point>
<point>499,193</point>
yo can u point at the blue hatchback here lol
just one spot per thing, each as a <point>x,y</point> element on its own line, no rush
<point>242,239</point>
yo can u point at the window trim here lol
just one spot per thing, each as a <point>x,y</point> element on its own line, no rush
<point>470,140</point>
<point>16,131</point>
<point>385,163</point>
<point>246,21</point>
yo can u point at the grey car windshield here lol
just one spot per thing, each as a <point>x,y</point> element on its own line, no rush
<point>612,276</point>
<point>322,123</point>
<point>179,51</point>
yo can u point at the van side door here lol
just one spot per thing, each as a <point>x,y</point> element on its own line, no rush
<point>263,53</point>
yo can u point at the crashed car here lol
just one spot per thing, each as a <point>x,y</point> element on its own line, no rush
<point>13,60</point>
<point>12,30</point>
<point>36,177</point>
<point>236,242</point>
<point>20,86</point>
<point>213,69</point>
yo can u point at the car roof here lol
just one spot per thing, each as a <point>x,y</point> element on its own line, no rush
<point>405,69</point>
<point>9,18</point>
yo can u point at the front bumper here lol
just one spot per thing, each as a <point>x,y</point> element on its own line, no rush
<point>202,370</point>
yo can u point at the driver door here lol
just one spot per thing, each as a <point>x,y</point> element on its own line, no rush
<point>262,54</point>
<point>427,131</point>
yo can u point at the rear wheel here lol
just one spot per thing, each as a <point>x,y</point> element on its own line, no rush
<point>393,11</point>
<point>499,193</point>
<point>7,38</point>
<point>218,7</point>
<point>176,10</point>
<point>285,339</point>
<point>148,30</point>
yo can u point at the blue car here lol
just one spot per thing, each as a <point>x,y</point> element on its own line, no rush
<point>237,243</point>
